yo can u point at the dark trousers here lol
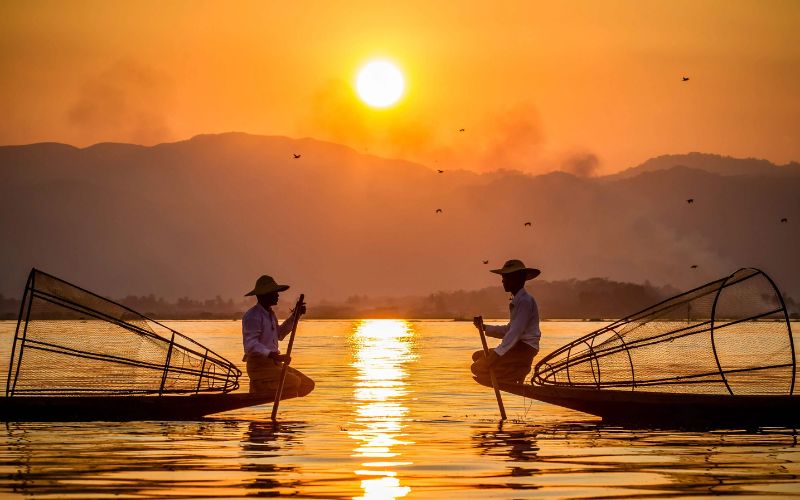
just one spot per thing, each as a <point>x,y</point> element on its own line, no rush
<point>512,367</point>
<point>265,374</point>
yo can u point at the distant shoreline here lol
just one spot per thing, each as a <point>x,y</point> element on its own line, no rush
<point>595,299</point>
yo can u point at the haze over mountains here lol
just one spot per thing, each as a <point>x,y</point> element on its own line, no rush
<point>206,216</point>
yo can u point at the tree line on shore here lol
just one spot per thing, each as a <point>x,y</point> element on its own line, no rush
<point>595,298</point>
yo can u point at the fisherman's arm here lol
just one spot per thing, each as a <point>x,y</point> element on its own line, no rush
<point>515,329</point>
<point>496,331</point>
<point>286,327</point>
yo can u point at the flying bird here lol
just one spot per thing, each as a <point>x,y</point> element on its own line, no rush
<point>527,224</point>
<point>440,171</point>
<point>690,201</point>
<point>784,220</point>
<point>694,266</point>
<point>685,78</point>
<point>438,210</point>
<point>485,261</point>
<point>296,156</point>
<point>461,130</point>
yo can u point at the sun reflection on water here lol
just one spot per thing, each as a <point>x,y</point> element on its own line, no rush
<point>382,348</point>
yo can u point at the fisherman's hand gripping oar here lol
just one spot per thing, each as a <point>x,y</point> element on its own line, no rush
<point>299,310</point>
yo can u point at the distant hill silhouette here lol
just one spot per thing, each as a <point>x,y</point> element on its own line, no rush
<point>570,299</point>
<point>209,215</point>
<point>715,164</point>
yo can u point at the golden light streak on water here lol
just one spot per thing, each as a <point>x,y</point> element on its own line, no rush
<point>381,351</point>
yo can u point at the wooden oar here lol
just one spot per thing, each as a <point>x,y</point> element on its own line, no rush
<point>479,320</point>
<point>279,391</point>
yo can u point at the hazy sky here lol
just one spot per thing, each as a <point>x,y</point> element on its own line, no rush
<point>591,87</point>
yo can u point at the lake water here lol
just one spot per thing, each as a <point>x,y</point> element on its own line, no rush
<point>395,414</point>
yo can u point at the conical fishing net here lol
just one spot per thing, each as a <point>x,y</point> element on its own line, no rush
<point>730,336</point>
<point>70,341</point>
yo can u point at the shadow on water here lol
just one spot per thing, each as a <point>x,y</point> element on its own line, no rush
<point>520,446</point>
<point>262,447</point>
<point>179,459</point>
<point>79,463</point>
<point>618,462</point>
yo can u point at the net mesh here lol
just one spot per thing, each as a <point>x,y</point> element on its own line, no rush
<point>70,341</point>
<point>730,336</point>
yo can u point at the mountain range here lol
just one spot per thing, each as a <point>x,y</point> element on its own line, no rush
<point>207,216</point>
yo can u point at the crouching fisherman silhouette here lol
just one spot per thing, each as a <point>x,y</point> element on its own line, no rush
<point>260,334</point>
<point>511,360</point>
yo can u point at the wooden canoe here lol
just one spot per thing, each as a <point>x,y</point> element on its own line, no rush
<point>667,410</point>
<point>125,408</point>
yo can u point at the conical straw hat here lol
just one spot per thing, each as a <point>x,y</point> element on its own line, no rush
<point>514,265</point>
<point>266,284</point>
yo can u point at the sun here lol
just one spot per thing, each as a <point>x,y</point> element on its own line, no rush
<point>380,84</point>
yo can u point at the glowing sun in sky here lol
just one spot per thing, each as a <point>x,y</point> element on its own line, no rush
<point>380,84</point>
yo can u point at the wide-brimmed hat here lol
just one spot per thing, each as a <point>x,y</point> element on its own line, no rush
<point>514,265</point>
<point>266,284</point>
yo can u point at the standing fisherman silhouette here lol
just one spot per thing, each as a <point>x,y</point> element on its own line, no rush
<point>260,336</point>
<point>511,360</point>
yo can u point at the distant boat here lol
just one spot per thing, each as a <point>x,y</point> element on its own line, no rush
<point>719,355</point>
<point>79,356</point>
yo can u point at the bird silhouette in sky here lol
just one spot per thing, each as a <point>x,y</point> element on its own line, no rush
<point>784,220</point>
<point>527,224</point>
<point>461,130</point>
<point>438,210</point>
<point>485,261</point>
<point>296,156</point>
<point>685,78</point>
<point>694,266</point>
<point>440,171</point>
<point>690,201</point>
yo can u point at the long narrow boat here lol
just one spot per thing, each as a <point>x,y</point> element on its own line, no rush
<point>77,356</point>
<point>722,354</point>
<point>667,410</point>
<point>125,408</point>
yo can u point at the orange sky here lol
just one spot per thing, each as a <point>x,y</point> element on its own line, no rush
<point>537,86</point>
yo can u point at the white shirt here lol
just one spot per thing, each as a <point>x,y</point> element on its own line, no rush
<point>523,326</point>
<point>260,331</point>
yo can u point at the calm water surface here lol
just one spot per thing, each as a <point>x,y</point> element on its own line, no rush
<point>395,414</point>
